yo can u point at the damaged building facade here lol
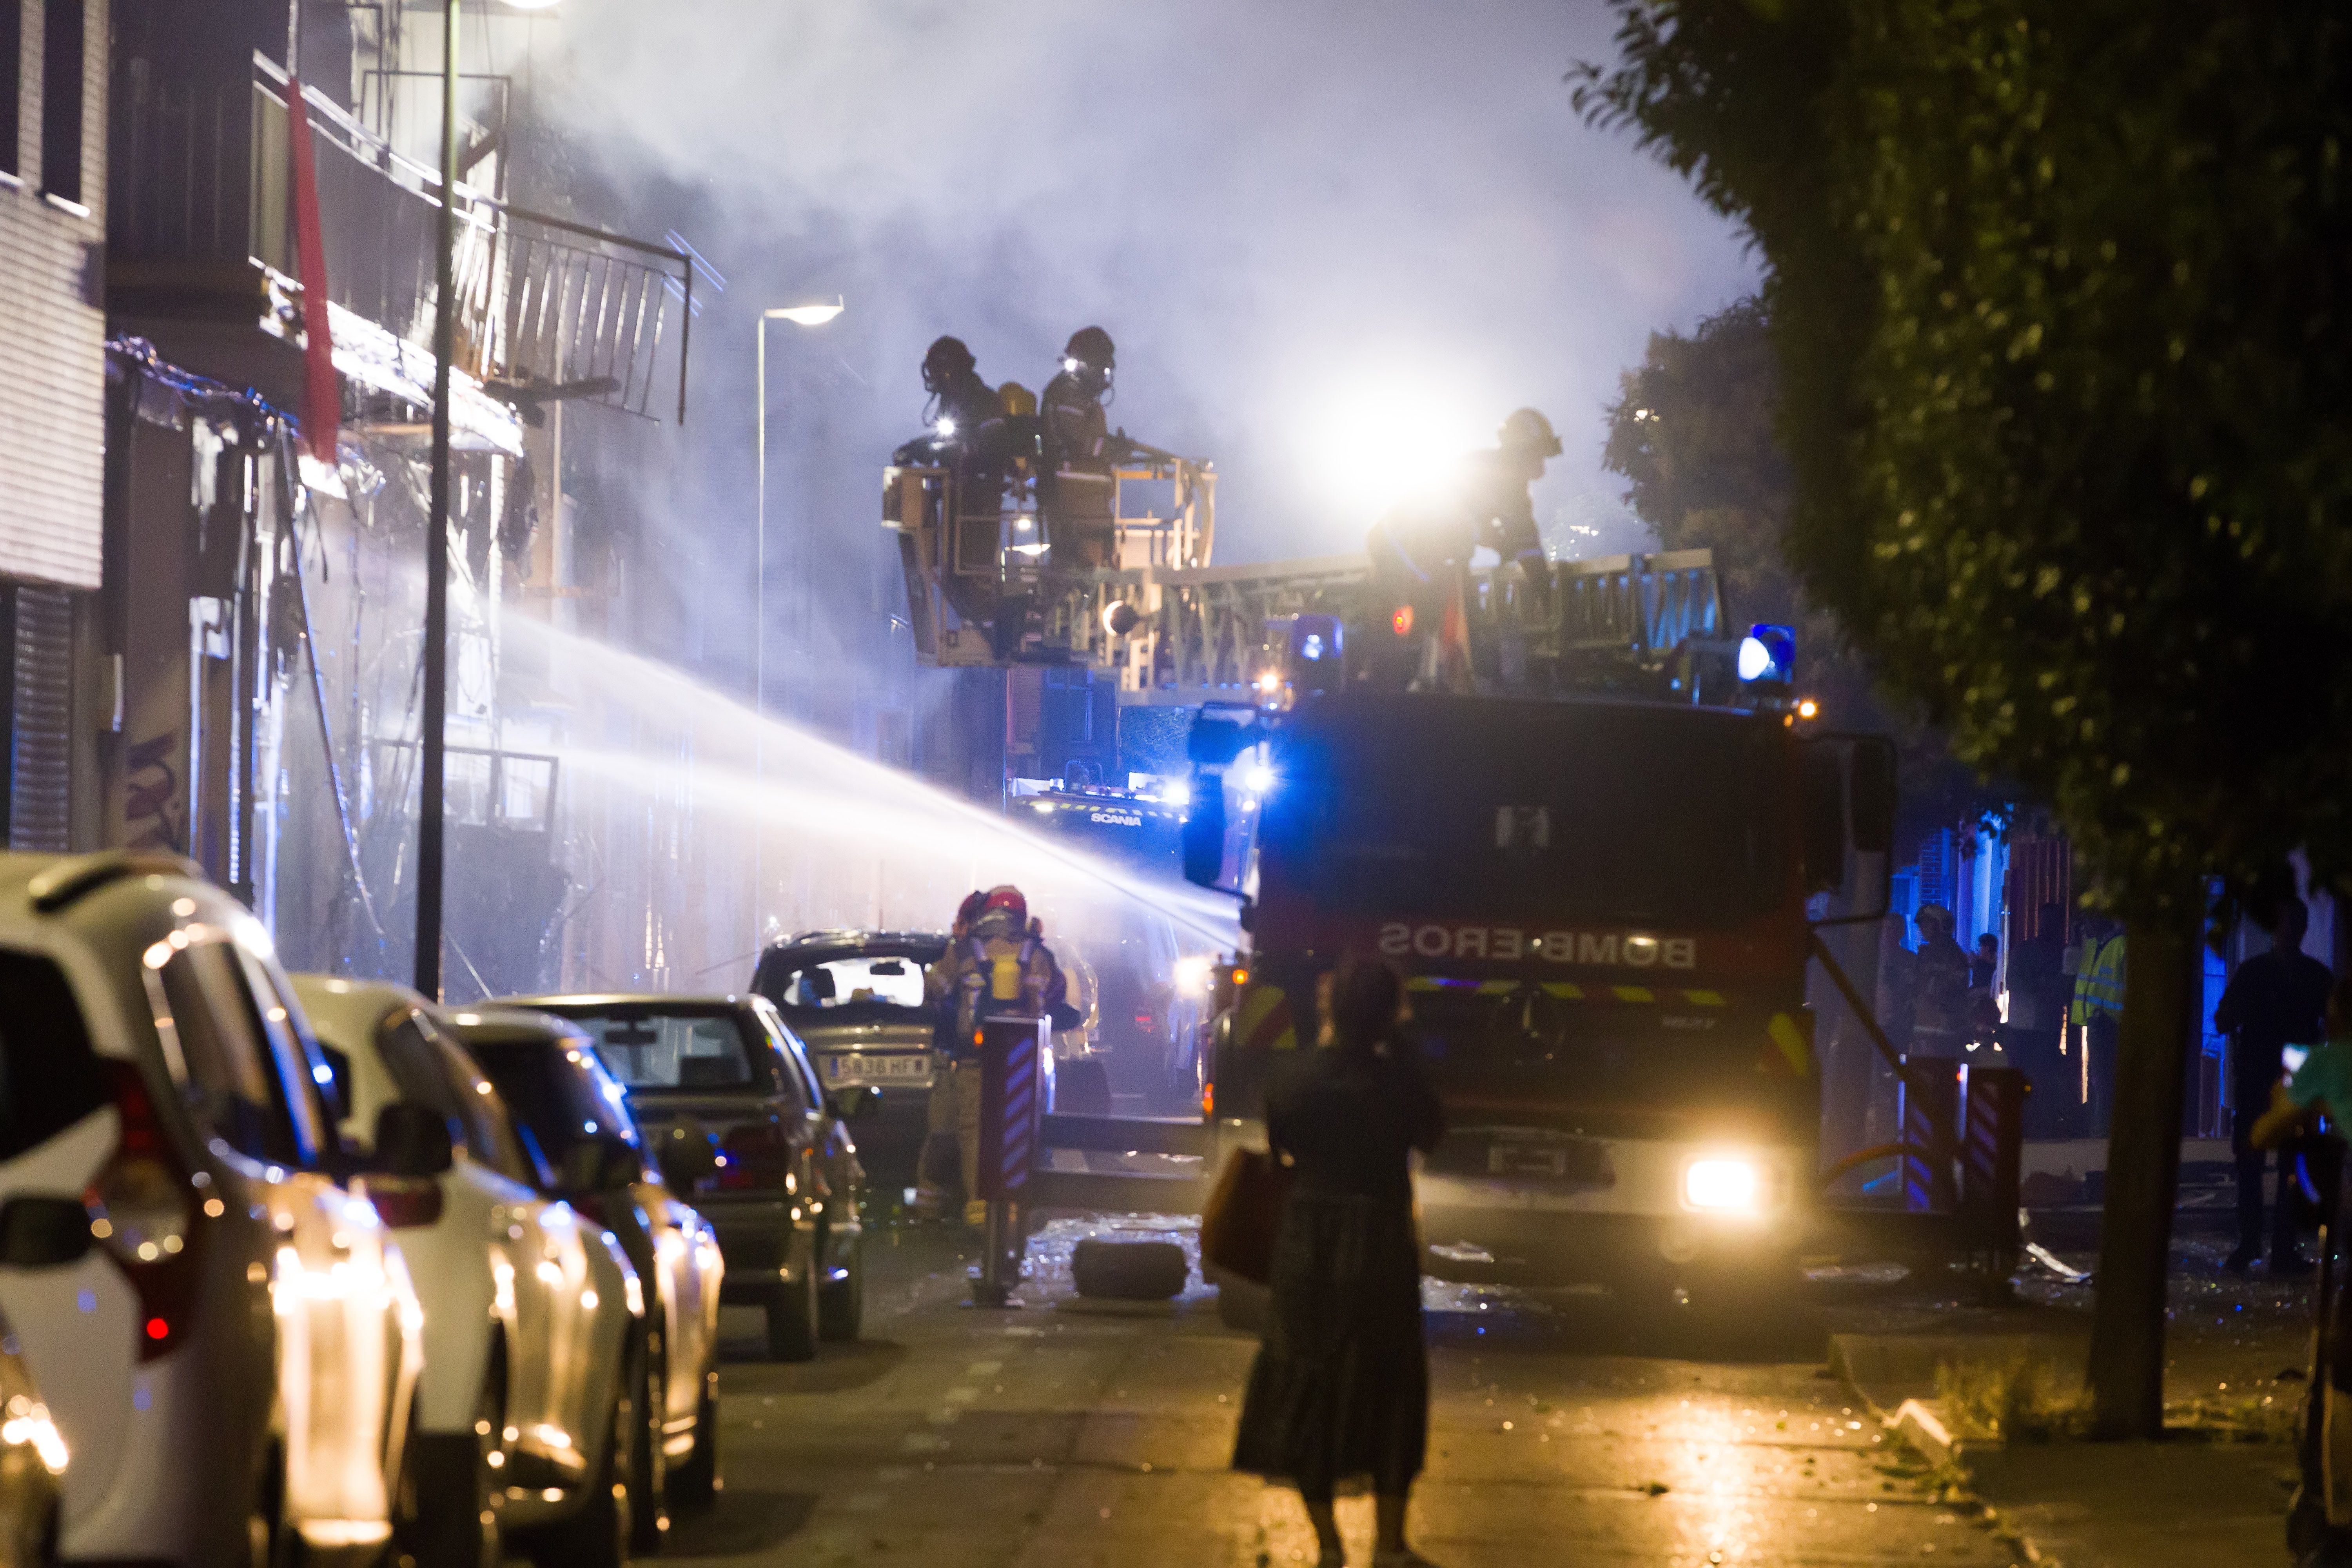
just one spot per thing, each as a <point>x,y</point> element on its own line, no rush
<point>248,673</point>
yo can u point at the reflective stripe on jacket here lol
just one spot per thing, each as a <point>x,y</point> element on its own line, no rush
<point>2099,984</point>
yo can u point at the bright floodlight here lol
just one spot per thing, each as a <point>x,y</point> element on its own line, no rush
<point>1257,778</point>
<point>816,313</point>
<point>531,4</point>
<point>1755,659</point>
<point>1176,791</point>
<point>1382,440</point>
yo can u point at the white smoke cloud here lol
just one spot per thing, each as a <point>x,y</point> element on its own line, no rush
<point>1272,207</point>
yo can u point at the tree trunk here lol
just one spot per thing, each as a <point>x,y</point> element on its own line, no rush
<point>2127,1370</point>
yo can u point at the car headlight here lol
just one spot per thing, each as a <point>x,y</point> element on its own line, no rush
<point>1727,1185</point>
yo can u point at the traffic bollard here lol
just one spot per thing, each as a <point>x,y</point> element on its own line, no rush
<point>1012,1103</point>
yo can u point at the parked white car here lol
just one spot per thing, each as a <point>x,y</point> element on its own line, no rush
<point>227,1341</point>
<point>533,1415</point>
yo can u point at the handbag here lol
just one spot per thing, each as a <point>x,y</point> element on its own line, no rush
<point>1243,1210</point>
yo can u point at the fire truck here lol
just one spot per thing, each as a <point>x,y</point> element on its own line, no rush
<point>1591,821</point>
<point>1599,874</point>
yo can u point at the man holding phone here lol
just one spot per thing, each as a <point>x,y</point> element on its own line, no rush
<point>2276,999</point>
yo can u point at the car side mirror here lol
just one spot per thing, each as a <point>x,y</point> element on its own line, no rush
<point>856,1102</point>
<point>44,1233</point>
<point>687,1154</point>
<point>412,1140</point>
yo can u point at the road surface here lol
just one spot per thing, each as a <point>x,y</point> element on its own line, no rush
<point>1074,1433</point>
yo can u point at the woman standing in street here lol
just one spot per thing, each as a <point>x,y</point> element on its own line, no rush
<point>1339,1391</point>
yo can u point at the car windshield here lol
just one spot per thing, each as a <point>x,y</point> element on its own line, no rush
<point>848,981</point>
<point>841,981</point>
<point>556,1094</point>
<point>701,1048</point>
<point>1526,811</point>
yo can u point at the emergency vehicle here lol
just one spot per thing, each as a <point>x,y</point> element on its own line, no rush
<point>1594,825</point>
<point>1600,878</point>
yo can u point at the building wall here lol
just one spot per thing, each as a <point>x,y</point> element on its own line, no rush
<point>53,337</point>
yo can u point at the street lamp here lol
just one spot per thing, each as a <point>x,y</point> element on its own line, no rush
<point>433,749</point>
<point>808,313</point>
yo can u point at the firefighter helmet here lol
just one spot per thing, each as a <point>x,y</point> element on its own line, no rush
<point>1016,400</point>
<point>968,911</point>
<point>1092,346</point>
<point>1004,912</point>
<point>946,361</point>
<point>1530,432</point>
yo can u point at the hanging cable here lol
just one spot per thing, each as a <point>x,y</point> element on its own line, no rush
<point>326,727</point>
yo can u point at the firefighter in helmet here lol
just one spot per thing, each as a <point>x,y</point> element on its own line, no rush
<point>962,404</point>
<point>1497,506</point>
<point>1077,487</point>
<point>997,966</point>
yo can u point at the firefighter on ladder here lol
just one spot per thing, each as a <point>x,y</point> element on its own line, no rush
<point>997,966</point>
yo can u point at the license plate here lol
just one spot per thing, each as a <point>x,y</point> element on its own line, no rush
<point>855,1068</point>
<point>1580,1160</point>
<point>1525,1159</point>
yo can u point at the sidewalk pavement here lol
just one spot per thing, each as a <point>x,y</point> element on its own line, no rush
<point>2212,1494</point>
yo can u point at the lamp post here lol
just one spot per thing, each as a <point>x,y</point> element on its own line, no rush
<point>433,750</point>
<point>813,314</point>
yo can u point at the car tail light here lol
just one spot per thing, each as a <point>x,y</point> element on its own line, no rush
<point>143,1210</point>
<point>752,1156</point>
<point>404,1202</point>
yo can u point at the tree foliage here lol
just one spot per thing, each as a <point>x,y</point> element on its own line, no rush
<point>2058,294</point>
<point>1693,433</point>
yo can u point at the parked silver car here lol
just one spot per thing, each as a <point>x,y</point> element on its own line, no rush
<point>227,1337</point>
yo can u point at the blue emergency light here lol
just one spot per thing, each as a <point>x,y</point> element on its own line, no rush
<point>1768,655</point>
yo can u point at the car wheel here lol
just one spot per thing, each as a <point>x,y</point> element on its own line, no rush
<point>449,1484</point>
<point>597,1534</point>
<point>696,1482</point>
<point>792,1319</point>
<point>648,1461</point>
<point>841,1303</point>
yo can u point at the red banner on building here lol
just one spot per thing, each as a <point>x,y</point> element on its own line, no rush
<point>322,396</point>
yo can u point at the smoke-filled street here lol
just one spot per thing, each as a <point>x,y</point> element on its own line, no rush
<point>1174,782</point>
<point>1084,1433</point>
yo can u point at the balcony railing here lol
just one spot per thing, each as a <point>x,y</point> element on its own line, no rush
<point>203,176</point>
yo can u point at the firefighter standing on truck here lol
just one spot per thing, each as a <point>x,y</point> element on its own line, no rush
<point>997,966</point>
<point>1421,551</point>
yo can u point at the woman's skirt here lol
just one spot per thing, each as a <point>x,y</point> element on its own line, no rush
<point>1340,1391</point>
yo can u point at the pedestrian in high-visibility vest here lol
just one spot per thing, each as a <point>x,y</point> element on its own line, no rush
<point>2098,1013</point>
